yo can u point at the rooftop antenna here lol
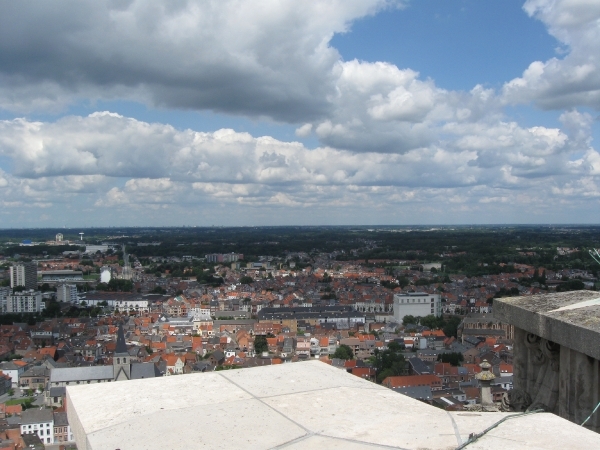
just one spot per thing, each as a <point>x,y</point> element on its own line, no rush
<point>81,236</point>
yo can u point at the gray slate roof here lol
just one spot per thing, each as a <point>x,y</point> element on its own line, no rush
<point>31,416</point>
<point>418,392</point>
<point>58,391</point>
<point>60,419</point>
<point>65,374</point>
<point>144,370</point>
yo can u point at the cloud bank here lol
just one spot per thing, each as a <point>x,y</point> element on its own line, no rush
<point>394,147</point>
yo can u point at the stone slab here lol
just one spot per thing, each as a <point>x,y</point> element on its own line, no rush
<point>577,328</point>
<point>532,432</point>
<point>308,405</point>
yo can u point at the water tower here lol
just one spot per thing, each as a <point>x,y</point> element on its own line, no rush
<point>59,237</point>
<point>81,236</point>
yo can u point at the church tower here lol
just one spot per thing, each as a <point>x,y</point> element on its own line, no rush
<point>121,358</point>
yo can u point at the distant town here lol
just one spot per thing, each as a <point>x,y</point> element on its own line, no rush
<point>407,308</point>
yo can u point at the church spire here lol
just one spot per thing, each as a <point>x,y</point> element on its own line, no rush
<point>121,347</point>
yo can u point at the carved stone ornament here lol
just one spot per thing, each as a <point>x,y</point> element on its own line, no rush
<point>552,352</point>
<point>516,400</point>
<point>532,341</point>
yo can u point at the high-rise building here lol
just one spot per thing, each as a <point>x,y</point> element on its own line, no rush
<point>24,274</point>
<point>4,293</point>
<point>25,302</point>
<point>66,293</point>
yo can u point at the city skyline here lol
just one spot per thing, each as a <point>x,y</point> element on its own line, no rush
<point>377,112</point>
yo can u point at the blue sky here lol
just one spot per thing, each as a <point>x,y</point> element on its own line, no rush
<point>458,43</point>
<point>332,112</point>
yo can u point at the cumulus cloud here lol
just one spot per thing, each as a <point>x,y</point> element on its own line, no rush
<point>227,56</point>
<point>395,143</point>
<point>570,81</point>
<point>271,59</point>
<point>110,161</point>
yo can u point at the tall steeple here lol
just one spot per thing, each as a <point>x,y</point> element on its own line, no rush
<point>121,358</point>
<point>121,347</point>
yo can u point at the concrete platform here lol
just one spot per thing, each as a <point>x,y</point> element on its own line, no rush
<point>303,405</point>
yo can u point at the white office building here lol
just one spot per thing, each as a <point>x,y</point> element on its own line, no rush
<point>418,304</point>
<point>25,302</point>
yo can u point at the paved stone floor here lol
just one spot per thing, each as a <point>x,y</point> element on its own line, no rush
<point>292,406</point>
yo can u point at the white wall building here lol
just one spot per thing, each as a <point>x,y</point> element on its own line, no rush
<point>25,301</point>
<point>122,305</point>
<point>13,371</point>
<point>66,293</point>
<point>96,248</point>
<point>199,313</point>
<point>40,422</point>
<point>105,275</point>
<point>418,304</point>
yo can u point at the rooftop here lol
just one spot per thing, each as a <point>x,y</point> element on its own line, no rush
<point>303,405</point>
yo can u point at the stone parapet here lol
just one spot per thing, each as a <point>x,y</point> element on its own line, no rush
<point>556,355</point>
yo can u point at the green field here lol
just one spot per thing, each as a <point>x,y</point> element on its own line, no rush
<point>19,401</point>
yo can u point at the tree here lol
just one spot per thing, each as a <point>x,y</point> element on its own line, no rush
<point>158,290</point>
<point>389,362</point>
<point>344,352</point>
<point>246,280</point>
<point>454,358</point>
<point>432,322</point>
<point>403,282</point>
<point>260,344</point>
<point>409,319</point>
<point>571,285</point>
<point>451,327</point>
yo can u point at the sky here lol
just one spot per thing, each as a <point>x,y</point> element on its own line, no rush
<point>286,112</point>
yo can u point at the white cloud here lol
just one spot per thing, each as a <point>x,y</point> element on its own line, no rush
<point>573,80</point>
<point>74,161</point>
<point>226,55</point>
<point>392,143</point>
<point>304,130</point>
